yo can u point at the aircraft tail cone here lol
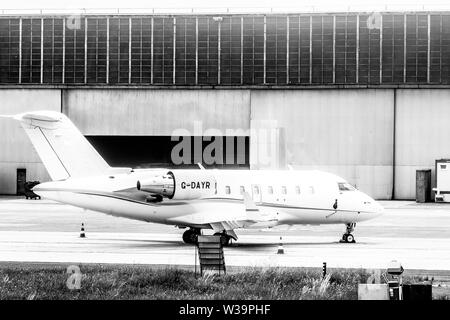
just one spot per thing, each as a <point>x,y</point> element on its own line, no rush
<point>82,235</point>
<point>280,248</point>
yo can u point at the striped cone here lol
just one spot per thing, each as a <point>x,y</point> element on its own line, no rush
<point>82,235</point>
<point>280,248</point>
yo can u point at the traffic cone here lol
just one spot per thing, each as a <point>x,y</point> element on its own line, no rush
<point>82,235</point>
<point>280,248</point>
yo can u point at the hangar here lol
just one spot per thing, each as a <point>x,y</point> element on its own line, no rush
<point>360,94</point>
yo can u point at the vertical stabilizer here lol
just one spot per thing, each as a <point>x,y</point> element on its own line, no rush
<point>62,148</point>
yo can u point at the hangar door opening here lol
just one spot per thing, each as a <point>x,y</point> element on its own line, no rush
<point>162,151</point>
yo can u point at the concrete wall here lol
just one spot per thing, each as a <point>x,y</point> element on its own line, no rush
<point>156,112</point>
<point>348,132</point>
<point>422,135</point>
<point>16,151</point>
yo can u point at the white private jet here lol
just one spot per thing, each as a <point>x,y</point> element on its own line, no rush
<point>221,200</point>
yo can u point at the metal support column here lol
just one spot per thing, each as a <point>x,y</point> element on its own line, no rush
<point>310,49</point>
<point>64,52</point>
<point>20,50</point>
<point>151,54</point>
<point>242,50</point>
<point>334,48</point>
<point>404,48</point>
<point>440,46</point>
<point>428,48</point>
<point>85,50</point>
<point>299,60</point>
<point>53,52</point>
<point>174,49</point>
<point>287,50</point>
<point>107,50</point>
<point>357,48</point>
<point>264,56</point>
<point>129,50</point>
<point>196,50</point>
<point>381,49</point>
<point>218,51</point>
<point>417,54</point>
<point>394,147</point>
<point>42,51</point>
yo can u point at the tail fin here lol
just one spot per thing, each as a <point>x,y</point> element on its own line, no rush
<point>62,148</point>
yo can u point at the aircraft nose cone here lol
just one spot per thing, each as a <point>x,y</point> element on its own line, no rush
<point>372,207</point>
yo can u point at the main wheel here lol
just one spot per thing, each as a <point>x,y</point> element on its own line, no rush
<point>194,238</point>
<point>349,238</point>
<point>224,239</point>
<point>187,236</point>
<point>190,236</point>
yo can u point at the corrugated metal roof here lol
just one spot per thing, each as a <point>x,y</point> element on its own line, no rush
<point>318,9</point>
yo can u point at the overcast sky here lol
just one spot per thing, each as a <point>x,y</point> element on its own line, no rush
<point>318,4</point>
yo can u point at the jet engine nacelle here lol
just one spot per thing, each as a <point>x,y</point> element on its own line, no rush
<point>180,184</point>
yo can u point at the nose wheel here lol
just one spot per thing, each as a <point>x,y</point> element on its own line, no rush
<point>348,237</point>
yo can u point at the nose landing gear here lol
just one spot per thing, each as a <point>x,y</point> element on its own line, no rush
<point>347,237</point>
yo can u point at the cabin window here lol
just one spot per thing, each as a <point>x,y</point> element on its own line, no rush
<point>227,190</point>
<point>311,189</point>
<point>270,190</point>
<point>242,190</point>
<point>345,186</point>
<point>297,189</point>
<point>283,190</point>
<point>255,189</point>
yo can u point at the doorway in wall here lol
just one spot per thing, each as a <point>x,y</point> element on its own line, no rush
<point>21,179</point>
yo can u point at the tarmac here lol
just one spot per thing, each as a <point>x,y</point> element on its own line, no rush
<point>417,235</point>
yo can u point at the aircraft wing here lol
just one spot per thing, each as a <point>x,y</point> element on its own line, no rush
<point>252,217</point>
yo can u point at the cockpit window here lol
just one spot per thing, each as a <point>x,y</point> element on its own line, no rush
<point>345,186</point>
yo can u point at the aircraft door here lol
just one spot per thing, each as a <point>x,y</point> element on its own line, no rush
<point>256,193</point>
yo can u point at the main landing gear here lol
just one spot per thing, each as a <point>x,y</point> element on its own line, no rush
<point>347,237</point>
<point>191,236</point>
<point>224,238</point>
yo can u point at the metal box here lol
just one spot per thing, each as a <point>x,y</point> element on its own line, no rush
<point>442,190</point>
<point>423,185</point>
